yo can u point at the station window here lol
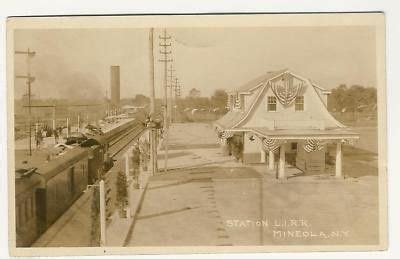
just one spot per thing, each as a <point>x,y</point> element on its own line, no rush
<point>299,103</point>
<point>271,103</point>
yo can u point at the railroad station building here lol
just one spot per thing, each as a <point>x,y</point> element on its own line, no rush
<point>281,118</point>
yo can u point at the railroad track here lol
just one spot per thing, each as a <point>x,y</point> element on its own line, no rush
<point>120,137</point>
<point>124,140</point>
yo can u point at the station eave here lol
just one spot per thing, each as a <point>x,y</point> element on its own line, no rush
<point>229,120</point>
<point>333,134</point>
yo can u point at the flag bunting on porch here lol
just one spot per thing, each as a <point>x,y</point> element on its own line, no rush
<point>312,145</point>
<point>270,144</point>
<point>237,102</point>
<point>226,134</point>
<point>348,141</point>
<point>228,102</point>
<point>285,91</point>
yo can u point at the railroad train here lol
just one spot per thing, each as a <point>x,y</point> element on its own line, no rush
<point>44,193</point>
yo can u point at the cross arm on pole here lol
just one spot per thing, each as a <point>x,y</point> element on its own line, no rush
<point>165,60</point>
<point>165,52</point>
<point>30,78</point>
<point>30,53</point>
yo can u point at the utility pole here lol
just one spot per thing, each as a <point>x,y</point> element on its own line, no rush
<point>152,88</point>
<point>171,88</point>
<point>177,88</point>
<point>165,52</point>
<point>177,92</point>
<point>153,136</point>
<point>29,79</point>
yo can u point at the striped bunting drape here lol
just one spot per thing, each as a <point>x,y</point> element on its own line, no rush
<point>270,144</point>
<point>237,102</point>
<point>285,90</point>
<point>348,141</point>
<point>228,102</point>
<point>312,145</point>
<point>226,134</point>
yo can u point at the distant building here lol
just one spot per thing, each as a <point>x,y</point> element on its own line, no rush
<point>283,115</point>
<point>115,86</point>
<point>194,93</point>
<point>132,109</point>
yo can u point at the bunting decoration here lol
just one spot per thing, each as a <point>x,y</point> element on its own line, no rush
<point>228,102</point>
<point>348,141</point>
<point>285,91</point>
<point>226,134</point>
<point>270,144</point>
<point>219,132</point>
<point>237,103</point>
<point>313,145</point>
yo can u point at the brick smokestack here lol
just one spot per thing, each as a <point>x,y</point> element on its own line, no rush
<point>115,86</point>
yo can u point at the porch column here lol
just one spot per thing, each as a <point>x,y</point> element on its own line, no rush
<point>271,160</point>
<point>224,146</point>
<point>223,142</point>
<point>338,166</point>
<point>281,173</point>
<point>263,155</point>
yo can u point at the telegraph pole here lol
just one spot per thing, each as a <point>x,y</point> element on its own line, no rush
<point>171,88</point>
<point>29,79</point>
<point>153,136</point>
<point>177,88</point>
<point>177,92</point>
<point>165,52</point>
<point>151,57</point>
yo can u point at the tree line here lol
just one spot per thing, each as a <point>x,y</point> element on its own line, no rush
<point>355,98</point>
<point>194,100</point>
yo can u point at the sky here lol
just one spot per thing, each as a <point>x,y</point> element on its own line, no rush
<point>76,62</point>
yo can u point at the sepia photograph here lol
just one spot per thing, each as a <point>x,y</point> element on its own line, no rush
<point>196,133</point>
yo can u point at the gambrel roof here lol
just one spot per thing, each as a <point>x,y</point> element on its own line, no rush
<point>237,119</point>
<point>252,85</point>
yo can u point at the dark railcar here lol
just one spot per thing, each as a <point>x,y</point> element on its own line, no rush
<point>26,209</point>
<point>41,198</point>
<point>63,181</point>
